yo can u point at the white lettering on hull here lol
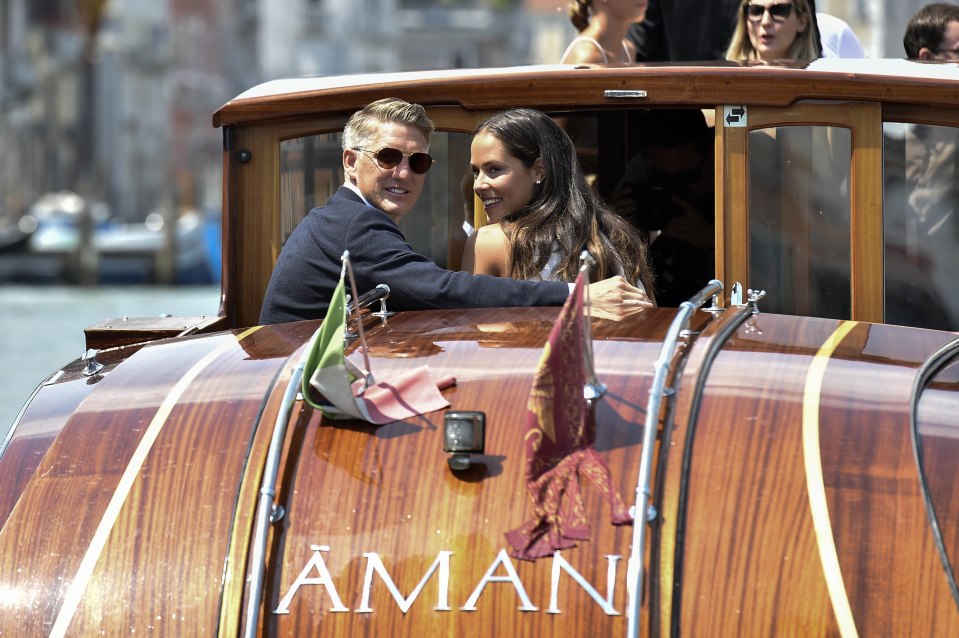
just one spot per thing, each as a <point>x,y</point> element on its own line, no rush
<point>441,565</point>
<point>319,565</point>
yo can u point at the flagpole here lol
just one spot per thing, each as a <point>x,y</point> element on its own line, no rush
<point>368,379</point>
<point>593,389</point>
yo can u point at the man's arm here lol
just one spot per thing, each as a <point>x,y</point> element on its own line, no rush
<point>380,254</point>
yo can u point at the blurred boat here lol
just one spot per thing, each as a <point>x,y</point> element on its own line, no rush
<point>61,237</point>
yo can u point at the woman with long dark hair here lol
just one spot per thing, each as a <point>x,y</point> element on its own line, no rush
<point>542,211</point>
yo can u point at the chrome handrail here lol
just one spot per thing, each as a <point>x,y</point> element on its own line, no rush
<point>932,366</point>
<point>265,506</point>
<point>657,391</point>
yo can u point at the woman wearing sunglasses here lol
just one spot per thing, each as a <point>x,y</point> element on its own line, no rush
<point>770,30</point>
<point>542,211</point>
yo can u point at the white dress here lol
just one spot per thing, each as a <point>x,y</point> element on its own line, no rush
<point>602,52</point>
<point>549,270</point>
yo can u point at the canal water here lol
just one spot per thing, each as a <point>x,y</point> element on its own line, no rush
<point>41,327</point>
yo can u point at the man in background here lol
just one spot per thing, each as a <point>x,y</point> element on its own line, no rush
<point>922,227</point>
<point>933,33</point>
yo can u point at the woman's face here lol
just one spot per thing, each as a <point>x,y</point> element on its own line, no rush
<point>772,30</point>
<point>626,10</point>
<point>500,180</point>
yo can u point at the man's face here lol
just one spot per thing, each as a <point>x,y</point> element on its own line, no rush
<point>948,49</point>
<point>392,190</point>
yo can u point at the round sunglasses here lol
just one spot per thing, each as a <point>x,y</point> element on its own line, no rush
<point>779,12</point>
<point>389,158</point>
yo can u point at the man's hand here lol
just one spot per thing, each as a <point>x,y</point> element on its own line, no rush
<point>616,299</point>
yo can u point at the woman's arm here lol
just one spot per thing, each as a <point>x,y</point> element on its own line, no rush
<point>485,251</point>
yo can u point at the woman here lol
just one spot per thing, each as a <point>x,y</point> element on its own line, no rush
<point>602,26</point>
<point>541,209</point>
<point>770,30</point>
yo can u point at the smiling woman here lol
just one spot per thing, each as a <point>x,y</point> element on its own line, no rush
<point>774,30</point>
<point>543,213</point>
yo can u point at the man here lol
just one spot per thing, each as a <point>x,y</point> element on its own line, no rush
<point>385,160</point>
<point>928,239</point>
<point>933,33</point>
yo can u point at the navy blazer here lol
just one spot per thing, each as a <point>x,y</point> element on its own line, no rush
<point>308,268</point>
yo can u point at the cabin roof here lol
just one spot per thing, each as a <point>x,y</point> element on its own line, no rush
<point>710,80</point>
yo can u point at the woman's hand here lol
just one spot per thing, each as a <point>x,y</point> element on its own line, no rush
<point>615,298</point>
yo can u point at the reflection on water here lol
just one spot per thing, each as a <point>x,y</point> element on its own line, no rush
<point>41,327</point>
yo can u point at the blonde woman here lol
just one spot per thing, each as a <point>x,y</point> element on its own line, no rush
<point>770,30</point>
<point>602,26</point>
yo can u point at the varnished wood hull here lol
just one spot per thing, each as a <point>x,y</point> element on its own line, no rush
<point>789,497</point>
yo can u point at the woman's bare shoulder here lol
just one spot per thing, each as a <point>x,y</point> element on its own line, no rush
<point>490,235</point>
<point>489,250</point>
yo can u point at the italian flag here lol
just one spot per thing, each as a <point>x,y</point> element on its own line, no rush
<point>329,373</point>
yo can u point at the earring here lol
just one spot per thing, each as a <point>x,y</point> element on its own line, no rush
<point>539,181</point>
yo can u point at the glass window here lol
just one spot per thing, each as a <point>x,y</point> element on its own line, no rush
<point>312,169</point>
<point>799,207</point>
<point>920,231</point>
<point>656,168</point>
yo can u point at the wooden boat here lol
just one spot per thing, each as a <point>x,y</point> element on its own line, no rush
<point>790,472</point>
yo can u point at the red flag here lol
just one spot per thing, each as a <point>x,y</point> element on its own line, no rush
<point>560,433</point>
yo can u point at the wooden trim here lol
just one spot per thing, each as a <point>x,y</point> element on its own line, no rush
<point>732,193</point>
<point>732,205</point>
<point>255,241</point>
<point>920,114</point>
<point>551,88</point>
<point>866,231</point>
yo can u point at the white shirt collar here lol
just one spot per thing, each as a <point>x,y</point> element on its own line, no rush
<point>353,187</point>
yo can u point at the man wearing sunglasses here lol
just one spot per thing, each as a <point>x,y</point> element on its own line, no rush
<point>386,159</point>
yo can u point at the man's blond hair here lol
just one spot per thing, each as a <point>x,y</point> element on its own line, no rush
<point>362,127</point>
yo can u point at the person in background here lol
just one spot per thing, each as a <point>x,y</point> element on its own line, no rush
<point>933,33</point>
<point>602,27</point>
<point>385,159</point>
<point>667,192</point>
<point>923,230</point>
<point>541,209</point>
<point>770,30</point>
<point>838,39</point>
<point>686,30</point>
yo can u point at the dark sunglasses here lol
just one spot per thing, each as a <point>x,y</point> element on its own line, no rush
<point>778,12</point>
<point>389,158</point>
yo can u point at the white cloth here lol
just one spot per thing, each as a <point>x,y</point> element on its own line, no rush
<point>602,52</point>
<point>838,38</point>
<point>548,273</point>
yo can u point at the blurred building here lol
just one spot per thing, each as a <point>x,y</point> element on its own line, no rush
<point>113,98</point>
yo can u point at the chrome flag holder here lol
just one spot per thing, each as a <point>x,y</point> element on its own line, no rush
<point>364,374</point>
<point>594,389</point>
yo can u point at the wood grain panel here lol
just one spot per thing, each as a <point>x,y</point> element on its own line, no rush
<point>170,534</point>
<point>751,562</point>
<point>875,503</point>
<point>358,489</point>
